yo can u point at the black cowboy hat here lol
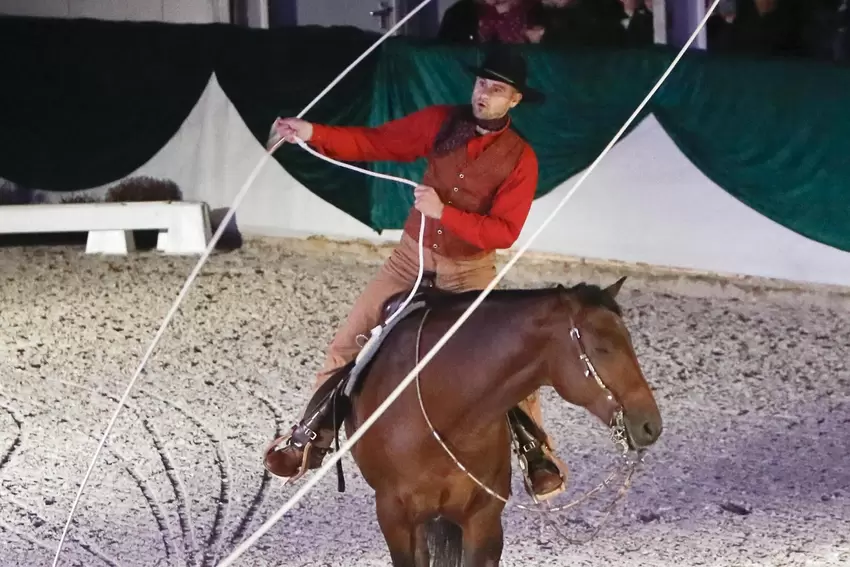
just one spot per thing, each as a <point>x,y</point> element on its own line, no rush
<point>507,66</point>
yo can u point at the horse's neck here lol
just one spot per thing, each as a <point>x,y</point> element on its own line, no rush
<point>511,367</point>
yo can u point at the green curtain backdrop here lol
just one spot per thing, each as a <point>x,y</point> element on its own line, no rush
<point>772,133</point>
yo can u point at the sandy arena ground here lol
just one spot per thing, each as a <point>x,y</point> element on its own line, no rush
<point>754,385</point>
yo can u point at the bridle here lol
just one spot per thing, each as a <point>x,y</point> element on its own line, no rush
<point>618,434</point>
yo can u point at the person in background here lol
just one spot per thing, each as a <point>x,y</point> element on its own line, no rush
<point>824,32</point>
<point>485,21</point>
<point>555,22</point>
<point>460,22</point>
<point>590,23</point>
<point>720,29</point>
<point>759,27</point>
<point>638,23</point>
<point>505,21</point>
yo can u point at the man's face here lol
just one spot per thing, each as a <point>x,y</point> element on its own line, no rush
<point>493,99</point>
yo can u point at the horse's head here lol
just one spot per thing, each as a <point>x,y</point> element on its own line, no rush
<point>593,364</point>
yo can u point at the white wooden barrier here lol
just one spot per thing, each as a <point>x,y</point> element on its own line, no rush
<point>184,227</point>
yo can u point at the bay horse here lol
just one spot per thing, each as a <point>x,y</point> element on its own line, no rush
<point>514,343</point>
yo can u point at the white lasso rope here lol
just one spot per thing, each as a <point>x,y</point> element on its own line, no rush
<point>210,247</point>
<point>346,447</point>
<point>421,220</point>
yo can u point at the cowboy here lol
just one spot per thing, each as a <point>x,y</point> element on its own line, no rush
<point>476,193</point>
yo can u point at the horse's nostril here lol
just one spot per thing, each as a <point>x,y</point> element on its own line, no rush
<point>643,432</point>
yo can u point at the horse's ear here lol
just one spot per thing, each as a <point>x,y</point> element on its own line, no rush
<point>614,288</point>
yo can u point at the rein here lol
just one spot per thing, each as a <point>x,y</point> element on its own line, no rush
<point>618,436</point>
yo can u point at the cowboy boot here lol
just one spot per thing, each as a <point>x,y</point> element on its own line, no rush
<point>305,447</point>
<point>544,479</point>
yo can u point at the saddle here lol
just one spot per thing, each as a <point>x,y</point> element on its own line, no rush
<point>427,287</point>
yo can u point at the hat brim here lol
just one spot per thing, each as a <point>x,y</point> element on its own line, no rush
<point>529,94</point>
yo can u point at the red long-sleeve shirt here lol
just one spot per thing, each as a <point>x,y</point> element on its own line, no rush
<point>412,137</point>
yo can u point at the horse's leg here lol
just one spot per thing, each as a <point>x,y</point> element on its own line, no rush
<point>422,556</point>
<point>398,532</point>
<point>483,537</point>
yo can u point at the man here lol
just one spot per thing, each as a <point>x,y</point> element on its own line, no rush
<point>476,193</point>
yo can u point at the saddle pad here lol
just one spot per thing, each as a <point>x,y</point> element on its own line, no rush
<point>371,347</point>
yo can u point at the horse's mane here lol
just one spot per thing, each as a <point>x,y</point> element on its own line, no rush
<point>589,295</point>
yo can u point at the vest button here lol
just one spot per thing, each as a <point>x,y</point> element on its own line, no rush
<point>455,189</point>
<point>461,176</point>
<point>439,231</point>
<point>435,246</point>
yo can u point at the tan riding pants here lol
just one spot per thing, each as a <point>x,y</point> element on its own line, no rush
<point>398,274</point>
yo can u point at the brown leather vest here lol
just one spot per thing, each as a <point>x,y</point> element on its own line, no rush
<point>467,185</point>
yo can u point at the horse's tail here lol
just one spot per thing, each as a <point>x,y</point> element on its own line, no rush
<point>445,543</point>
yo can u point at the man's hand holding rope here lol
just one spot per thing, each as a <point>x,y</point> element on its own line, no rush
<point>291,130</point>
